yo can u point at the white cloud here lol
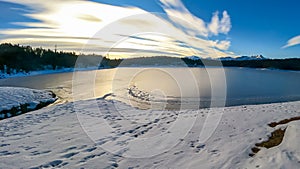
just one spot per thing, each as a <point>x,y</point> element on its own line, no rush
<point>70,24</point>
<point>225,24</point>
<point>214,24</point>
<point>178,13</point>
<point>222,45</point>
<point>218,26</point>
<point>292,42</point>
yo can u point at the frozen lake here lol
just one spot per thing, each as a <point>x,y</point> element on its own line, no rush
<point>171,88</point>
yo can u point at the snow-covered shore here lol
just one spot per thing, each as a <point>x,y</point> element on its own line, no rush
<point>44,72</point>
<point>32,73</point>
<point>66,136</point>
<point>15,101</point>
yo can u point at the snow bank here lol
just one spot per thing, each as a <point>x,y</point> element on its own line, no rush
<point>15,101</point>
<point>55,137</point>
<point>286,155</point>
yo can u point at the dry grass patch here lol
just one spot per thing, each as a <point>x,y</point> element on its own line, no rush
<point>274,140</point>
<point>285,121</point>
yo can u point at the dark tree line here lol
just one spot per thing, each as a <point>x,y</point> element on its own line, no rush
<point>284,64</point>
<point>25,58</point>
<point>16,58</point>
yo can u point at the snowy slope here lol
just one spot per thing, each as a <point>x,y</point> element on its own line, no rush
<point>75,135</point>
<point>14,101</point>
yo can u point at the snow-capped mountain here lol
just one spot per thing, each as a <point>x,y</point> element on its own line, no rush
<point>241,58</point>
<point>193,57</point>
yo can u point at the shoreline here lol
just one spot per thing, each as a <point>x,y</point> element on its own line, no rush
<point>68,70</point>
<point>45,72</point>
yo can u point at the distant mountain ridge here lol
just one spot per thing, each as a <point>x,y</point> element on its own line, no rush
<point>228,58</point>
<point>257,57</point>
<point>193,57</point>
<point>246,61</point>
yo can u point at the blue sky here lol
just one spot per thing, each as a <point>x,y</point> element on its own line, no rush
<point>221,28</point>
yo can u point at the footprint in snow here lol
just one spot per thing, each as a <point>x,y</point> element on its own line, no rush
<point>90,149</point>
<point>68,149</point>
<point>55,163</point>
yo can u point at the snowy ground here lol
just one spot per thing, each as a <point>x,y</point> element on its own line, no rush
<point>75,135</point>
<point>15,101</point>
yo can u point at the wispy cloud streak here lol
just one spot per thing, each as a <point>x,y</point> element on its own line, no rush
<point>71,24</point>
<point>292,42</point>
